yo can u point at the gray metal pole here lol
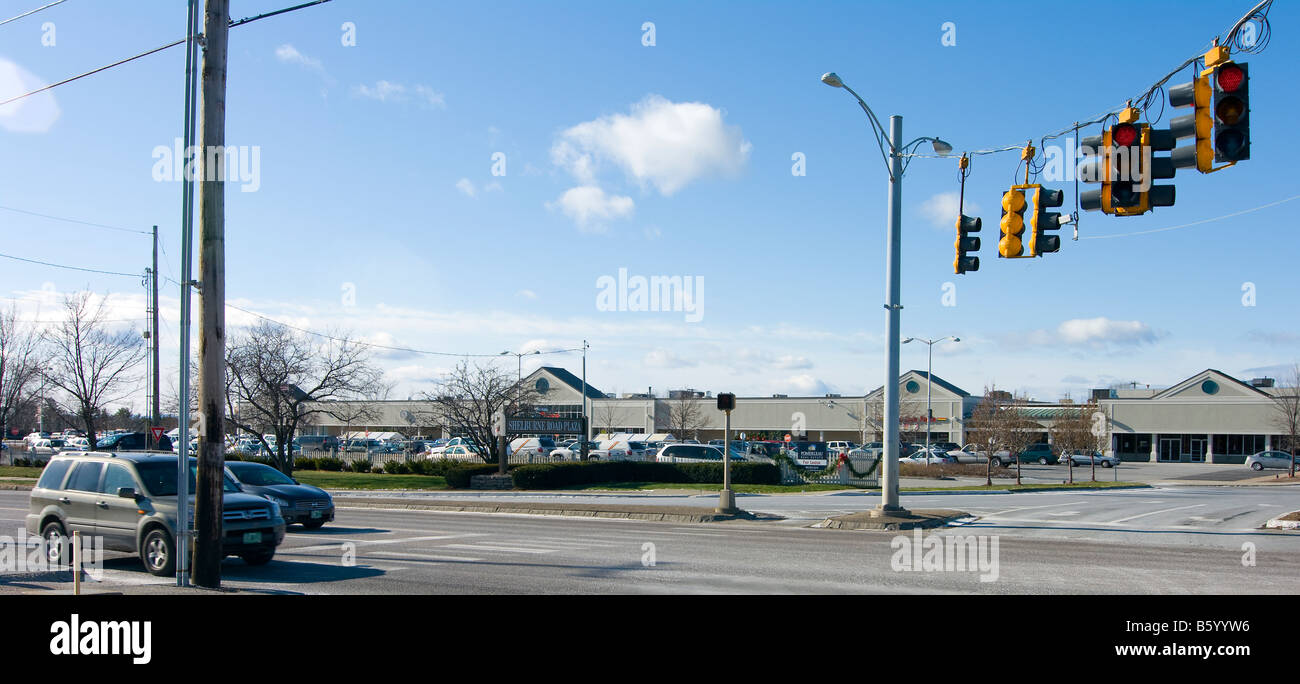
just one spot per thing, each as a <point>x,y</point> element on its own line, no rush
<point>929,416</point>
<point>586,429</point>
<point>187,240</point>
<point>889,488</point>
<point>727,501</point>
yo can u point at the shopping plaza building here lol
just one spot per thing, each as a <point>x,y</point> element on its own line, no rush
<point>1208,417</point>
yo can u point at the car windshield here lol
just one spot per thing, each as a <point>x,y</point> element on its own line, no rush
<point>159,478</point>
<point>258,475</point>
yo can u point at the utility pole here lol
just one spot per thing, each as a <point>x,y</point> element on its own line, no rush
<point>154,414</point>
<point>212,297</point>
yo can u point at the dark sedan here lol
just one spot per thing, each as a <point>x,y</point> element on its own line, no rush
<point>299,503</point>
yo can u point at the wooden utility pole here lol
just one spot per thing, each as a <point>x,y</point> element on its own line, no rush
<point>155,417</point>
<point>212,298</point>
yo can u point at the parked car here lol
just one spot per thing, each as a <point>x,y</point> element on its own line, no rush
<point>690,453</point>
<point>437,451</point>
<point>972,453</point>
<point>129,500</point>
<point>1083,457</point>
<point>47,447</point>
<point>531,448</point>
<point>1269,459</point>
<point>461,452</point>
<point>841,447</point>
<point>131,441</point>
<point>299,503</point>
<point>327,444</point>
<point>1043,454</point>
<point>595,452</point>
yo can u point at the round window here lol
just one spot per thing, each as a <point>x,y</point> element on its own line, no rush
<point>1210,387</point>
<point>913,387</point>
<point>542,386</point>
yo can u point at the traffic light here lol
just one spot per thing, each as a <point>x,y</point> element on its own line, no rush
<point>1042,220</point>
<point>1231,83</point>
<point>967,243</point>
<point>1199,125</point>
<point>1012,224</point>
<point>1125,164</point>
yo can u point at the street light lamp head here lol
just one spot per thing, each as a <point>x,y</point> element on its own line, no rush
<point>830,79</point>
<point>956,339</point>
<point>908,340</point>
<point>941,148</point>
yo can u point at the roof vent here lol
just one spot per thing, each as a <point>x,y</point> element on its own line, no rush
<point>1261,382</point>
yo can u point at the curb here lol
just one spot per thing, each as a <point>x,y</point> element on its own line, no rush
<point>701,515</point>
<point>15,487</point>
<point>926,520</point>
<point>1279,524</point>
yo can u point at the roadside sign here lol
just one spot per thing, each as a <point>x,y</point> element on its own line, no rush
<point>157,433</point>
<point>787,438</point>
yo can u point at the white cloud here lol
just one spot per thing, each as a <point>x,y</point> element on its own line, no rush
<point>1096,332</point>
<point>653,233</point>
<point>466,186</point>
<point>388,91</point>
<point>290,55</point>
<point>804,385</point>
<point>590,207</point>
<point>526,294</point>
<point>661,143</point>
<point>33,114</point>
<point>941,210</point>
<point>790,362</point>
<point>663,358</point>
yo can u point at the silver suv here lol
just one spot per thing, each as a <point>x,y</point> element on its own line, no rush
<point>129,499</point>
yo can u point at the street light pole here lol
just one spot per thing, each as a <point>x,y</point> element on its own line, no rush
<point>929,373</point>
<point>894,157</point>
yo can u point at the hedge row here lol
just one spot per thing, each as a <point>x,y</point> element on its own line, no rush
<point>557,475</point>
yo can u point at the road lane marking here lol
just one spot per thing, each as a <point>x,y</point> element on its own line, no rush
<point>1164,510</point>
<point>502,549</point>
<point>426,556</point>
<point>359,542</point>
<point>1030,508</point>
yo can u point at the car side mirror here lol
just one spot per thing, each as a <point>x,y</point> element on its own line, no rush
<point>127,492</point>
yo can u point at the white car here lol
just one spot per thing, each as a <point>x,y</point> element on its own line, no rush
<point>436,452</point>
<point>78,443</point>
<point>46,447</point>
<point>971,453</point>
<point>467,453</point>
<point>530,448</point>
<point>595,452</point>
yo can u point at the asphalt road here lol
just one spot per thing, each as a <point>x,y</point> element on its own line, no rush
<point>1137,541</point>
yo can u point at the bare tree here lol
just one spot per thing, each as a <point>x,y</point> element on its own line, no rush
<point>985,428</point>
<point>1073,432</point>
<point>278,379</point>
<point>91,365</point>
<point>470,396</point>
<point>360,413</point>
<point>1286,413</point>
<point>605,416</point>
<point>685,415</point>
<point>21,361</point>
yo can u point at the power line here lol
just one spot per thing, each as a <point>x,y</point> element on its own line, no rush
<point>30,12</point>
<point>70,268</point>
<point>68,220</point>
<point>1193,223</point>
<point>160,48</point>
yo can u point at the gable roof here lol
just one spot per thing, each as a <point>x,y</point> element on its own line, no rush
<point>1218,373</point>
<point>573,381</point>
<point>938,381</point>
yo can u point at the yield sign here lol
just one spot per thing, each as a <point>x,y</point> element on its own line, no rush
<point>157,433</point>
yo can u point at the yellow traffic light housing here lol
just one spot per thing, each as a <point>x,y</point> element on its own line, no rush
<point>1013,222</point>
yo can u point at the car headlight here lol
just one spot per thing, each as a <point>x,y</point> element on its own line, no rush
<point>277,503</point>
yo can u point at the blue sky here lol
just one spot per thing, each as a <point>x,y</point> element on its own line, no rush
<point>376,180</point>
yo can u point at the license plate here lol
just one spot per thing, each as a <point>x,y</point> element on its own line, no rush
<point>252,537</point>
<point>315,514</point>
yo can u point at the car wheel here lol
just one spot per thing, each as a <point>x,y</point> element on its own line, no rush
<point>314,524</point>
<point>1257,466</point>
<point>997,462</point>
<point>261,557</point>
<point>56,541</point>
<point>1107,464</point>
<point>1042,461</point>
<point>158,553</point>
